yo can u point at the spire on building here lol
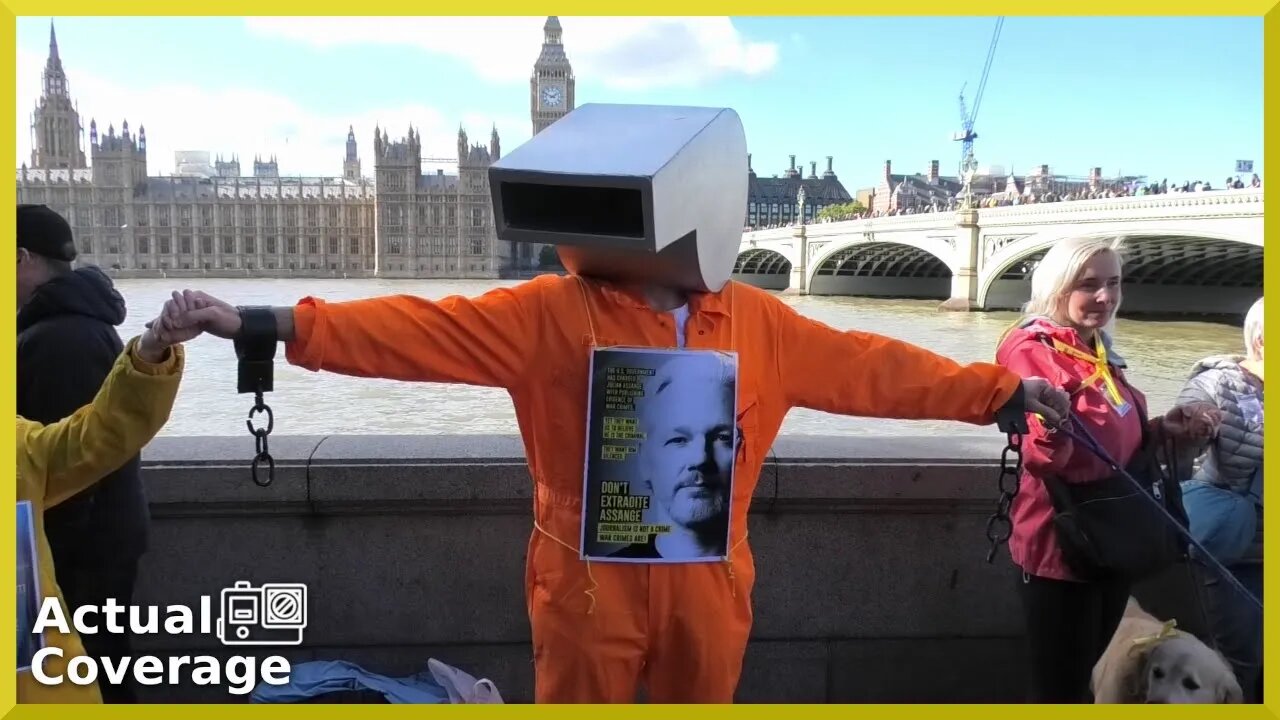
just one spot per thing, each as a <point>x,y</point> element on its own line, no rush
<point>55,79</point>
<point>57,136</point>
<point>351,143</point>
<point>53,44</point>
<point>552,44</point>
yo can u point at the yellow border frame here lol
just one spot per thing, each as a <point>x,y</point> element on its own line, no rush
<point>10,9</point>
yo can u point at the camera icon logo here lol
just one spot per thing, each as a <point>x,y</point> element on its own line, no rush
<point>270,614</point>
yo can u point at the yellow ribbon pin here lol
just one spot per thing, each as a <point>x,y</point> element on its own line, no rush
<point>1167,630</point>
<point>1101,369</point>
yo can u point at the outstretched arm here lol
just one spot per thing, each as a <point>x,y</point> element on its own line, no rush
<point>132,405</point>
<point>488,340</point>
<point>1197,404</point>
<point>857,373</point>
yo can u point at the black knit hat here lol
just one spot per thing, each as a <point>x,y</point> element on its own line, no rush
<point>45,232</point>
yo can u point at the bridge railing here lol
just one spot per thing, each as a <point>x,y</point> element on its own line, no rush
<point>883,224</point>
<point>1247,202</point>
<point>1214,203</point>
<point>922,221</point>
<point>770,235</point>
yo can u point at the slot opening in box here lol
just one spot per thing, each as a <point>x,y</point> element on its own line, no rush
<point>573,209</point>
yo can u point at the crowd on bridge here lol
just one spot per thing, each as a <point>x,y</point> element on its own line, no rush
<point>902,203</point>
<point>1031,195</point>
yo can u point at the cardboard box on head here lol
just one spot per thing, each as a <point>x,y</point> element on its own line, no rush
<point>642,193</point>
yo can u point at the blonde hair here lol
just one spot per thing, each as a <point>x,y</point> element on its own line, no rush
<point>1253,330</point>
<point>1054,276</point>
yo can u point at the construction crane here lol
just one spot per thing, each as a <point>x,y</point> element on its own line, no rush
<point>966,136</point>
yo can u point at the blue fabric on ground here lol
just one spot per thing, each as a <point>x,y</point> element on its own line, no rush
<point>312,679</point>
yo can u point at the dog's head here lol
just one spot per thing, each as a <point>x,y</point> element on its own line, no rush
<point>1179,668</point>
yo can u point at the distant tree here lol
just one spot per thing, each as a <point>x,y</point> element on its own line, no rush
<point>548,259</point>
<point>843,211</point>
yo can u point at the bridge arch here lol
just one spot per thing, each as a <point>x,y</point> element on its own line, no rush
<point>880,268</point>
<point>1164,271</point>
<point>763,268</point>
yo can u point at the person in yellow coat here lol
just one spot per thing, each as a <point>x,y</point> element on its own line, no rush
<point>59,460</point>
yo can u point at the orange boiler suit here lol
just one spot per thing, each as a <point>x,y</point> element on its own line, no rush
<point>599,629</point>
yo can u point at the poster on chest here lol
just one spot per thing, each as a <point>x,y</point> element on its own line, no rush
<point>29,642</point>
<point>662,437</point>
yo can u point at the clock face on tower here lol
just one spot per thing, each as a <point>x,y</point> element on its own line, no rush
<point>552,97</point>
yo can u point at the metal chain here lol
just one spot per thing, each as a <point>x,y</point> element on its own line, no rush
<point>999,526</point>
<point>260,439</point>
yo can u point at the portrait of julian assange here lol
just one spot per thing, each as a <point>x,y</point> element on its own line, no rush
<point>685,458</point>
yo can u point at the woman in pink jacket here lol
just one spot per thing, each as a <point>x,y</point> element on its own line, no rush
<point>1077,562</point>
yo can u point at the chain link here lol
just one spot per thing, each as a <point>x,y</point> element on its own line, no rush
<point>260,440</point>
<point>999,526</point>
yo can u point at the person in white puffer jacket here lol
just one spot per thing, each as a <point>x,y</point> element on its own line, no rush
<point>1223,498</point>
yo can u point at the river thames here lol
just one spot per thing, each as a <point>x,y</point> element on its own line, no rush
<point>1159,354</point>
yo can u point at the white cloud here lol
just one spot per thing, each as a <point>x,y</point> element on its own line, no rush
<point>246,122</point>
<point>625,53</point>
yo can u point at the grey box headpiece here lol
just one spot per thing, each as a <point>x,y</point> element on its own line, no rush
<point>641,193</point>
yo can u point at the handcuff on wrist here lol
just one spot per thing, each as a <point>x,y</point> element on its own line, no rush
<point>255,346</point>
<point>1011,418</point>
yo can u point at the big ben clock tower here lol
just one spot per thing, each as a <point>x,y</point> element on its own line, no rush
<point>550,98</point>
<point>551,86</point>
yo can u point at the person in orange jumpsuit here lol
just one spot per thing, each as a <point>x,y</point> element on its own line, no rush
<point>602,629</point>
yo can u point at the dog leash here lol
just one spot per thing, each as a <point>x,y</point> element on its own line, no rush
<point>1085,438</point>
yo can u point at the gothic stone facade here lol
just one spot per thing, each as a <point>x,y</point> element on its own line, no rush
<point>773,201</point>
<point>436,225</point>
<point>223,224</point>
<point>139,226</point>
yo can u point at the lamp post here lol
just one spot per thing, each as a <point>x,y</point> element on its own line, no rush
<point>968,171</point>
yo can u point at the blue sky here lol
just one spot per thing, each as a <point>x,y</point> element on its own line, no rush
<point>1166,97</point>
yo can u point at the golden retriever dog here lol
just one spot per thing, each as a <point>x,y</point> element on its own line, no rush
<point>1148,661</point>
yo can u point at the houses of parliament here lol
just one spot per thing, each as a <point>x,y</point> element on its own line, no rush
<point>209,219</point>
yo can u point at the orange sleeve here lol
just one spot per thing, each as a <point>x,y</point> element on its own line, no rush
<point>488,340</point>
<point>857,373</point>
